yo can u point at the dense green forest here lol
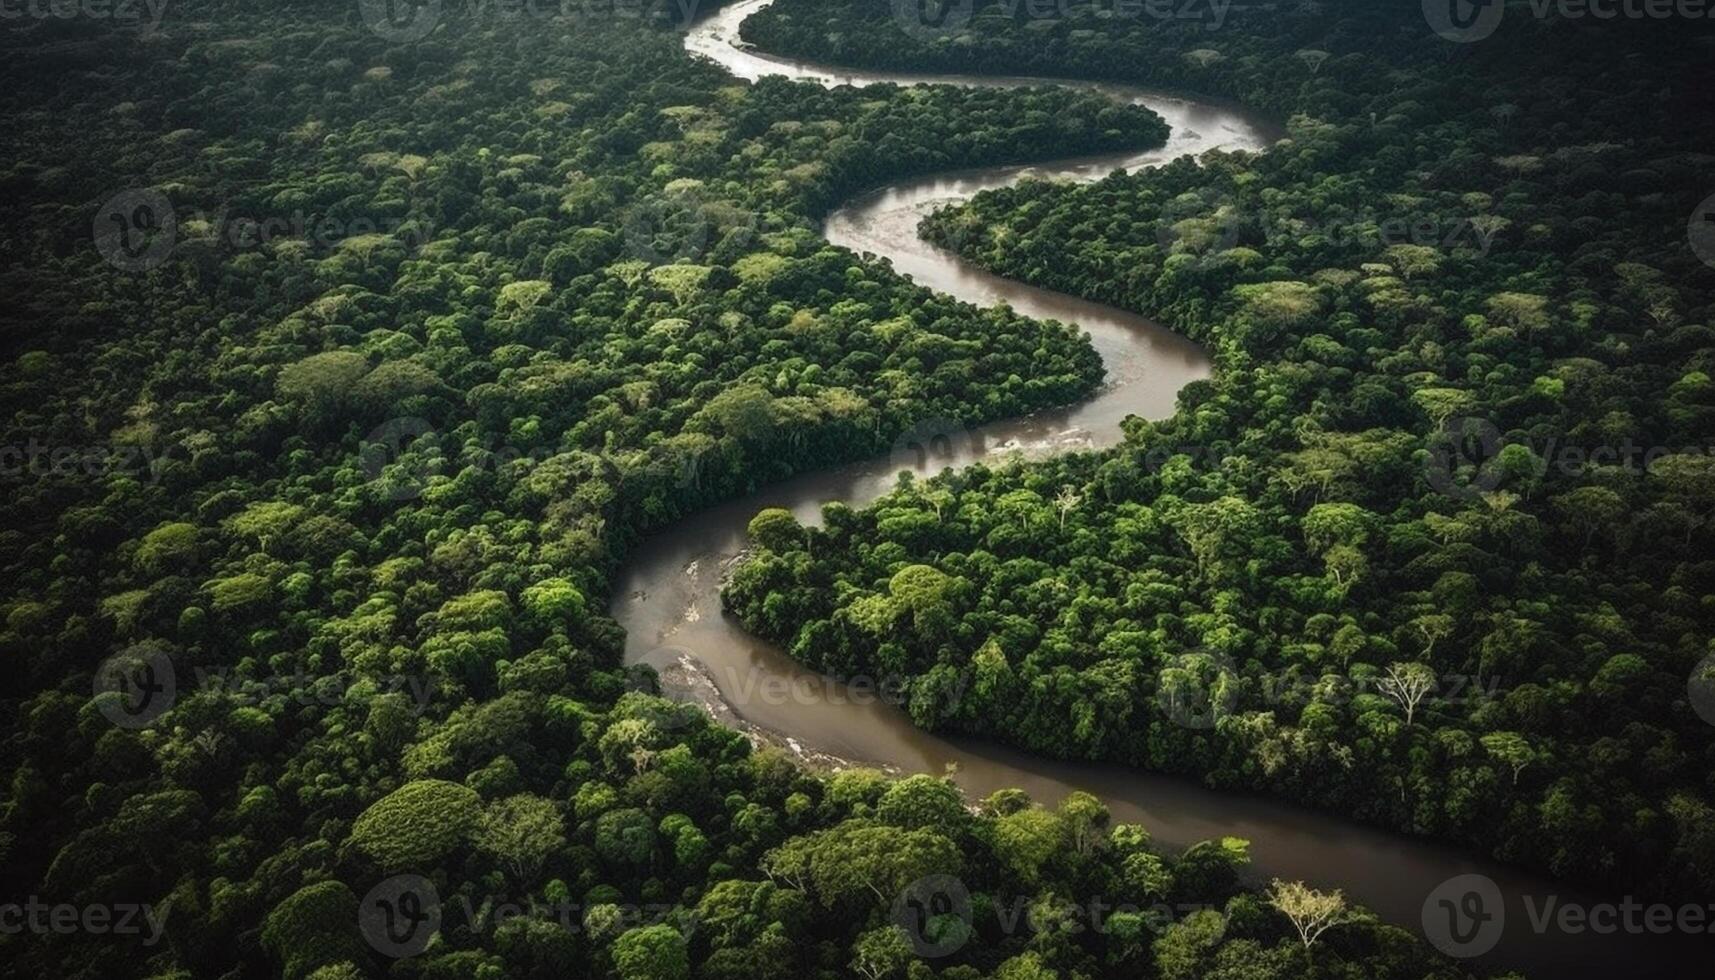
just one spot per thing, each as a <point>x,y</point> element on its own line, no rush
<point>341,371</point>
<point>343,365</point>
<point>1433,546</point>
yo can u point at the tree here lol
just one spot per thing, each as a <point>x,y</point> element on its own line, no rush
<point>522,296</point>
<point>1067,501</point>
<point>1216,531</point>
<point>1408,684</point>
<point>1592,509</point>
<point>313,927</point>
<point>625,836</point>
<point>1442,404</point>
<point>926,592</point>
<point>881,952</point>
<point>325,384</point>
<point>1432,627</point>
<point>1146,876</point>
<point>1414,261</point>
<point>1690,477</point>
<point>1511,749</point>
<point>416,825</point>
<point>1312,912</point>
<point>1279,304</point>
<point>655,952</point>
<point>920,801</point>
<point>1084,817</point>
<point>1025,966</point>
<point>776,529</point>
<point>554,602</point>
<point>1183,945</point>
<point>1027,840</point>
<point>858,861</point>
<point>1525,312</point>
<point>166,546</point>
<point>521,831</point>
<point>1328,525</point>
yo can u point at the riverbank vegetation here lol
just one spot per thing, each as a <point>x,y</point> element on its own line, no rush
<point>342,367</point>
<point>1432,547</point>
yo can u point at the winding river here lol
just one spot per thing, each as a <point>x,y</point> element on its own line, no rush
<point>668,593</point>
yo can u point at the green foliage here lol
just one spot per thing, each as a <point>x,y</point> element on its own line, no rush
<point>922,801</point>
<point>555,602</point>
<point>625,836</point>
<point>857,862</point>
<point>417,825</point>
<point>1439,435</point>
<point>651,953</point>
<point>576,291</point>
<point>313,930</point>
<point>520,831</point>
<point>776,529</point>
